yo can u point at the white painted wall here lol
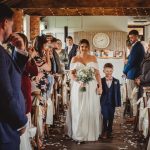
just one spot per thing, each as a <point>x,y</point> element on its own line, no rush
<point>85,23</point>
<point>26,26</point>
<point>147,33</point>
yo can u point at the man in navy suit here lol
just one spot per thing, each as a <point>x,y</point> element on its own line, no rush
<point>110,99</point>
<point>132,68</point>
<point>71,50</point>
<point>12,108</point>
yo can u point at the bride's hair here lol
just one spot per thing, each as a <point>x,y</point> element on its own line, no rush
<point>84,41</point>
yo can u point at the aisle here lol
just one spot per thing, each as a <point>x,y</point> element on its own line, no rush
<point>123,139</point>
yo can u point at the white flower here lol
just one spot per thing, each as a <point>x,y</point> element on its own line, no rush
<point>85,75</point>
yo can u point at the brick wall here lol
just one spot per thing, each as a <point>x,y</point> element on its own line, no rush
<point>18,20</point>
<point>34,26</point>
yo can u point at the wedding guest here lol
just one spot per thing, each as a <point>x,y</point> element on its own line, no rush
<point>132,68</point>
<point>71,50</point>
<point>144,79</point>
<point>12,107</point>
<point>62,53</point>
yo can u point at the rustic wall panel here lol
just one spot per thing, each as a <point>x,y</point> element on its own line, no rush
<point>117,39</point>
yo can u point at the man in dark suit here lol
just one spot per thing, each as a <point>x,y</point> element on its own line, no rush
<point>110,99</point>
<point>132,68</point>
<point>71,50</point>
<point>55,60</point>
<point>12,108</point>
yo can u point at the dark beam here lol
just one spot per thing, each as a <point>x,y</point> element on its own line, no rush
<point>81,3</point>
<point>84,11</point>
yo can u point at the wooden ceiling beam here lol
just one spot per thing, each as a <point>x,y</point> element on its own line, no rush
<point>89,11</point>
<point>77,3</point>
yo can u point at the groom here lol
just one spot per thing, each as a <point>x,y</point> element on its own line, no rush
<point>12,108</point>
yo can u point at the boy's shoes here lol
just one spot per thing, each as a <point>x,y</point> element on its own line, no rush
<point>109,135</point>
<point>104,135</point>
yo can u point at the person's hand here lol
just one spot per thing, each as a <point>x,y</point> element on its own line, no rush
<point>124,76</point>
<point>47,50</point>
<point>81,84</point>
<point>40,75</point>
<point>99,90</point>
<point>32,52</point>
<point>125,61</point>
<point>22,131</point>
<point>17,42</point>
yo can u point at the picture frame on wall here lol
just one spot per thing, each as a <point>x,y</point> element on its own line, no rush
<point>119,54</point>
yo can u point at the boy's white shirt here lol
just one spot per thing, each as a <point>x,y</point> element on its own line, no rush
<point>109,83</point>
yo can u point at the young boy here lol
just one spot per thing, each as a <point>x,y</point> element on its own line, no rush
<point>110,99</point>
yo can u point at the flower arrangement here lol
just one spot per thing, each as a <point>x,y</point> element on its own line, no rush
<point>85,75</point>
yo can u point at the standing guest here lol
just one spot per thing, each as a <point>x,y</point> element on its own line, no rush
<point>110,99</point>
<point>132,68</point>
<point>29,71</point>
<point>12,108</point>
<point>61,52</point>
<point>43,63</point>
<point>49,38</point>
<point>42,60</point>
<point>55,60</point>
<point>144,79</point>
<point>71,50</point>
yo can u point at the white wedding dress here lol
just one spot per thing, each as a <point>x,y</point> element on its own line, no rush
<point>85,108</point>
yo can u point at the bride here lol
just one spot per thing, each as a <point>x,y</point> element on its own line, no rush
<point>85,106</point>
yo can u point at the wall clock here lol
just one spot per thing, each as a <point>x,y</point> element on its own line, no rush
<point>101,40</point>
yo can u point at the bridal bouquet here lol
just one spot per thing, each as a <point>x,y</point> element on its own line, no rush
<point>85,75</point>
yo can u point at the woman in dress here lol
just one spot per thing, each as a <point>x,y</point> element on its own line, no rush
<point>85,106</point>
<point>29,70</point>
<point>40,85</point>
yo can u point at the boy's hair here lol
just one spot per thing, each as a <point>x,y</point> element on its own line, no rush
<point>108,65</point>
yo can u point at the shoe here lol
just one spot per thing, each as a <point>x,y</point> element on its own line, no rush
<point>80,142</point>
<point>109,135</point>
<point>104,135</point>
